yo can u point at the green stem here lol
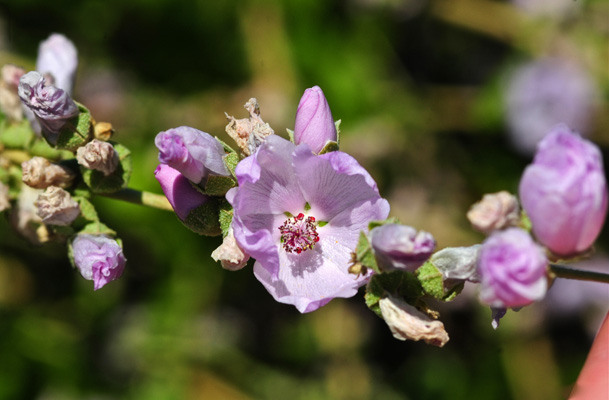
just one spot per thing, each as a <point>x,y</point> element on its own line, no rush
<point>561,271</point>
<point>142,198</point>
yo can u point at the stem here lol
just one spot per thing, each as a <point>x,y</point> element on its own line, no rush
<point>561,271</point>
<point>142,198</point>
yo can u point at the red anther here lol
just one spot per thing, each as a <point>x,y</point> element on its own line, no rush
<point>300,216</point>
<point>316,238</point>
<point>311,219</point>
<point>298,250</point>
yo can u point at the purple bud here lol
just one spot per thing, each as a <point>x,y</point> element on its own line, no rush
<point>194,153</point>
<point>57,56</point>
<point>564,192</point>
<point>401,247</point>
<point>51,105</point>
<point>98,258</point>
<point>179,191</point>
<point>512,269</point>
<point>314,123</point>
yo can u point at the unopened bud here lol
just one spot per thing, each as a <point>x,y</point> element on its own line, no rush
<point>401,247</point>
<point>40,173</point>
<point>249,133</point>
<point>57,207</point>
<point>314,124</point>
<point>58,57</point>
<point>495,211</point>
<point>408,323</point>
<point>230,255</point>
<point>99,156</point>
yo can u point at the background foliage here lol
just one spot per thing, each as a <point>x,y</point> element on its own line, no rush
<point>418,85</point>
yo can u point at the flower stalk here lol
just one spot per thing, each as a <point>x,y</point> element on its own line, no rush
<point>562,271</point>
<point>142,198</point>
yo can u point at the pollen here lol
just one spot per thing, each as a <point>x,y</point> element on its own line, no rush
<point>299,234</point>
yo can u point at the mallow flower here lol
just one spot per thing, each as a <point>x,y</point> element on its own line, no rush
<point>98,258</point>
<point>182,196</point>
<point>195,154</point>
<point>314,124</point>
<point>512,269</point>
<point>401,247</point>
<point>58,57</point>
<point>52,106</point>
<point>564,192</point>
<point>300,215</point>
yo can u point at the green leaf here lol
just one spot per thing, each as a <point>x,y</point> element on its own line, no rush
<point>218,185</point>
<point>76,132</point>
<point>97,228</point>
<point>376,224</point>
<point>433,283</point>
<point>364,253</point>
<point>87,209</point>
<point>225,217</point>
<point>230,161</point>
<point>400,284</point>
<point>100,183</point>
<point>18,135</point>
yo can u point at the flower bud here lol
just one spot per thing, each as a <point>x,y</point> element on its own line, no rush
<point>98,258</point>
<point>4,198</point>
<point>10,104</point>
<point>24,217</point>
<point>57,207</point>
<point>182,196</point>
<point>457,263</point>
<point>230,255</point>
<point>408,323</point>
<point>58,57</point>
<point>314,123</point>
<point>495,211</point>
<point>99,156</point>
<point>39,173</point>
<point>564,192</point>
<point>193,153</point>
<point>52,106</point>
<point>401,247</point>
<point>512,269</point>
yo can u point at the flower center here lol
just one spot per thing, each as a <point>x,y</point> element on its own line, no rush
<point>299,233</point>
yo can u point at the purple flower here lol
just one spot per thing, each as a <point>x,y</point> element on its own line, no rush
<point>512,269</point>
<point>314,123</point>
<point>564,192</point>
<point>57,56</point>
<point>98,258</point>
<point>179,191</point>
<point>401,247</point>
<point>299,215</point>
<point>51,105</point>
<point>543,93</point>
<point>194,153</point>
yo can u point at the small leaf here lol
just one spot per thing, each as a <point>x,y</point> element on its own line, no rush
<point>290,135</point>
<point>230,161</point>
<point>376,224</point>
<point>87,209</point>
<point>225,217</point>
<point>329,146</point>
<point>77,131</point>
<point>364,253</point>
<point>204,219</point>
<point>432,282</point>
<point>400,284</point>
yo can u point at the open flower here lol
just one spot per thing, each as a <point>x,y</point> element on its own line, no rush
<point>299,215</point>
<point>98,258</point>
<point>564,192</point>
<point>194,153</point>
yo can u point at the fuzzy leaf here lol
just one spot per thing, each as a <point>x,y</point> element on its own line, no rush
<point>204,219</point>
<point>87,209</point>
<point>97,228</point>
<point>77,131</point>
<point>218,185</point>
<point>225,217</point>
<point>329,146</point>
<point>400,284</point>
<point>433,283</point>
<point>364,253</point>
<point>100,183</point>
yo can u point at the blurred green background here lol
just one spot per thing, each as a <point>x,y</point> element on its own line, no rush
<point>419,86</point>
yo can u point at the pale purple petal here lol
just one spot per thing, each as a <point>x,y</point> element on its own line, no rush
<point>194,153</point>
<point>401,247</point>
